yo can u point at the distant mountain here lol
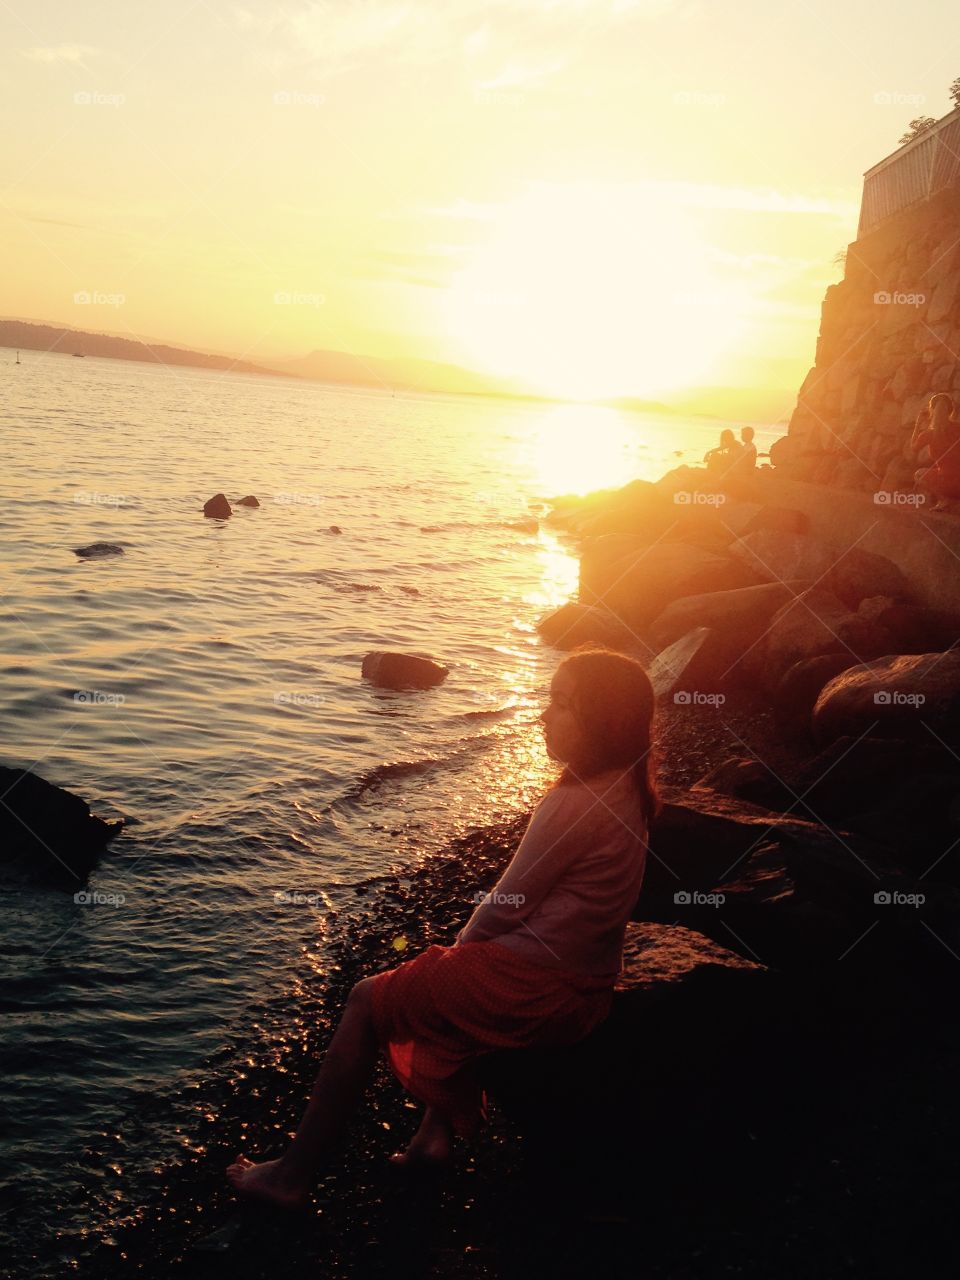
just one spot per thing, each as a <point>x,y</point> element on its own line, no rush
<point>27,336</point>
<point>404,374</point>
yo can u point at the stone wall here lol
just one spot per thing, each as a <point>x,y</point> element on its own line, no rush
<point>889,338</point>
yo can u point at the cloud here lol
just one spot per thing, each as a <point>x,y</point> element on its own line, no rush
<point>61,53</point>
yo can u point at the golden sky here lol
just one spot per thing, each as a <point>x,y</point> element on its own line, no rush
<point>634,197</point>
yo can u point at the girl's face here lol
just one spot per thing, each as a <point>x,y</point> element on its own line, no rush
<point>563,733</point>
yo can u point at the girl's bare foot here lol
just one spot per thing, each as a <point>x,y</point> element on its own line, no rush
<point>268,1181</point>
<point>431,1146</point>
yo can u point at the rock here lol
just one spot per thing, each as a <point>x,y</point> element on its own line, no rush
<point>98,550</point>
<point>750,780</point>
<point>743,518</point>
<point>640,585</point>
<point>217,507</point>
<point>914,628</point>
<point>799,687</point>
<point>248,501</point>
<point>523,524</point>
<point>573,624</point>
<point>410,591</point>
<point>851,574</point>
<point>694,666</point>
<point>49,830</point>
<point>391,670</point>
<point>910,696</point>
<point>815,622</point>
<point>638,508</point>
<point>742,613</point>
<point>334,528</point>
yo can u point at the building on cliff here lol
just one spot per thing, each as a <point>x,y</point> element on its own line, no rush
<point>890,330</point>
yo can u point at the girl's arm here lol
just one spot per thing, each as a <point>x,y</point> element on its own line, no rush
<point>562,826</point>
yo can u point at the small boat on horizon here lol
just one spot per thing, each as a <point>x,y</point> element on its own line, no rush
<point>81,354</point>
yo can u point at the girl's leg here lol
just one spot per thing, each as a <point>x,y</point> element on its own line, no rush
<point>347,1067</point>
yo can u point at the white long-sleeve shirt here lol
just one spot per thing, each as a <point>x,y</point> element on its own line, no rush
<point>565,899</point>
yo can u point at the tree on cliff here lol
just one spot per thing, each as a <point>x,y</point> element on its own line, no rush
<point>955,91</point>
<point>918,126</point>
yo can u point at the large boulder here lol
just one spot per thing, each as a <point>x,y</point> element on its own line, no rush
<point>639,585</point>
<point>815,622</point>
<point>697,664</point>
<point>217,507</point>
<point>851,574</point>
<point>391,670</point>
<point>799,688</point>
<point>98,550</point>
<point>910,696</point>
<point>48,831</point>
<point>574,624</point>
<point>914,628</point>
<point>742,613</point>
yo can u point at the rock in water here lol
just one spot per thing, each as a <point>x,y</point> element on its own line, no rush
<point>51,830</point>
<point>98,550</point>
<point>403,670</point>
<point>248,501</point>
<point>335,528</point>
<point>217,507</point>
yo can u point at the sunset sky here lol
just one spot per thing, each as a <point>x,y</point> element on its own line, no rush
<point>633,197</point>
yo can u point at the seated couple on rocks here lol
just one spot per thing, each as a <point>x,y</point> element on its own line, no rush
<point>536,963</point>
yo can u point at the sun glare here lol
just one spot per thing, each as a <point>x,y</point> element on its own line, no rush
<point>585,292</point>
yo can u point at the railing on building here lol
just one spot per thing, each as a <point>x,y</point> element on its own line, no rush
<point>917,171</point>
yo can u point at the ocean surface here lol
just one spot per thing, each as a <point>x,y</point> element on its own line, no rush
<point>205,686</point>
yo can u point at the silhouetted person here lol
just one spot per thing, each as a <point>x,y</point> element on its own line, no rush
<point>938,431</point>
<point>536,963</point>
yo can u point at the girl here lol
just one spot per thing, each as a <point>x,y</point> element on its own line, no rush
<point>536,963</point>
<point>938,430</point>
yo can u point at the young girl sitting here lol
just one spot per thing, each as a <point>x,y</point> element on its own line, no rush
<point>536,963</point>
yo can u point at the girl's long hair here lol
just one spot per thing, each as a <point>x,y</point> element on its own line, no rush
<point>614,702</point>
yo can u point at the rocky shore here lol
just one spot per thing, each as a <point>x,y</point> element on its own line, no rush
<point>774,1092</point>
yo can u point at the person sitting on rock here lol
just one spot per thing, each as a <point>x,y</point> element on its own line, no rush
<point>535,964</point>
<point>748,462</point>
<point>938,430</point>
<point>727,452</point>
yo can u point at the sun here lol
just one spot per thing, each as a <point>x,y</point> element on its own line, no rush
<point>590,292</point>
